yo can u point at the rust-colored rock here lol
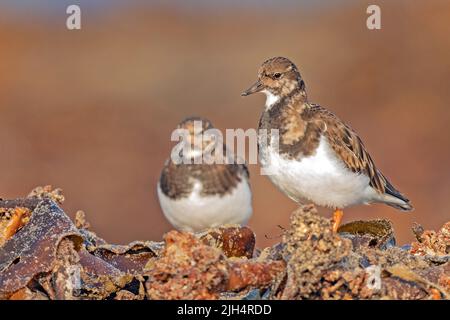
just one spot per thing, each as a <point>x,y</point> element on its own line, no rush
<point>27,294</point>
<point>234,241</point>
<point>253,274</point>
<point>187,268</point>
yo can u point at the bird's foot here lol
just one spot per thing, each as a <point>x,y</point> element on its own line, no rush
<point>337,218</point>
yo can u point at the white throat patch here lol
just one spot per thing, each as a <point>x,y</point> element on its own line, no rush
<point>271,99</point>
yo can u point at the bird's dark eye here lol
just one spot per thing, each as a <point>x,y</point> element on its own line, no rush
<point>277,75</point>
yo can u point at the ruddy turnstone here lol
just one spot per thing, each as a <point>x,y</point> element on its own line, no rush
<point>318,157</point>
<point>196,196</point>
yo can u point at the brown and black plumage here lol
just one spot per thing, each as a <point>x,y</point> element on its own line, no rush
<point>318,157</point>
<point>196,195</point>
<point>177,180</point>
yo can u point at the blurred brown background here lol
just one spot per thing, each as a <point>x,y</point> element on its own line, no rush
<point>91,111</point>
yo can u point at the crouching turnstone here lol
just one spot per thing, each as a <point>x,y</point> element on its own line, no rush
<point>317,158</point>
<point>195,196</point>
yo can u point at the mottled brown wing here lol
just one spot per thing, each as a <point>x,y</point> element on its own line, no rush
<point>349,147</point>
<point>176,181</point>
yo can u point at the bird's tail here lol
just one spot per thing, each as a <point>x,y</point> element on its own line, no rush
<point>392,197</point>
<point>398,203</point>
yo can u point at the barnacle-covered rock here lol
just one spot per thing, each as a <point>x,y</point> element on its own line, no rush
<point>431,243</point>
<point>359,263</point>
<point>47,192</point>
<point>186,269</point>
<point>311,249</point>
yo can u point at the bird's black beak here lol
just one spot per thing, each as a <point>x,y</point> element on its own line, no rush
<point>256,87</point>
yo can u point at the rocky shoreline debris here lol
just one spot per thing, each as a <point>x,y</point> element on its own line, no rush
<point>44,255</point>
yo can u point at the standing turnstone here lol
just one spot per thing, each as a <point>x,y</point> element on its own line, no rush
<point>318,157</point>
<point>196,196</point>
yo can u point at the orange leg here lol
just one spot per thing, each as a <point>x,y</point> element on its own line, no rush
<point>337,218</point>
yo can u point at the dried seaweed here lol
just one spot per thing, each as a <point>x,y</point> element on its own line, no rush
<point>44,255</point>
<point>372,233</point>
<point>33,249</point>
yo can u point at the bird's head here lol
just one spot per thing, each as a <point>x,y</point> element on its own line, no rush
<point>277,77</point>
<point>199,135</point>
<point>195,126</point>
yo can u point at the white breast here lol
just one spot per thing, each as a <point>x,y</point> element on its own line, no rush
<point>271,99</point>
<point>197,212</point>
<point>321,178</point>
